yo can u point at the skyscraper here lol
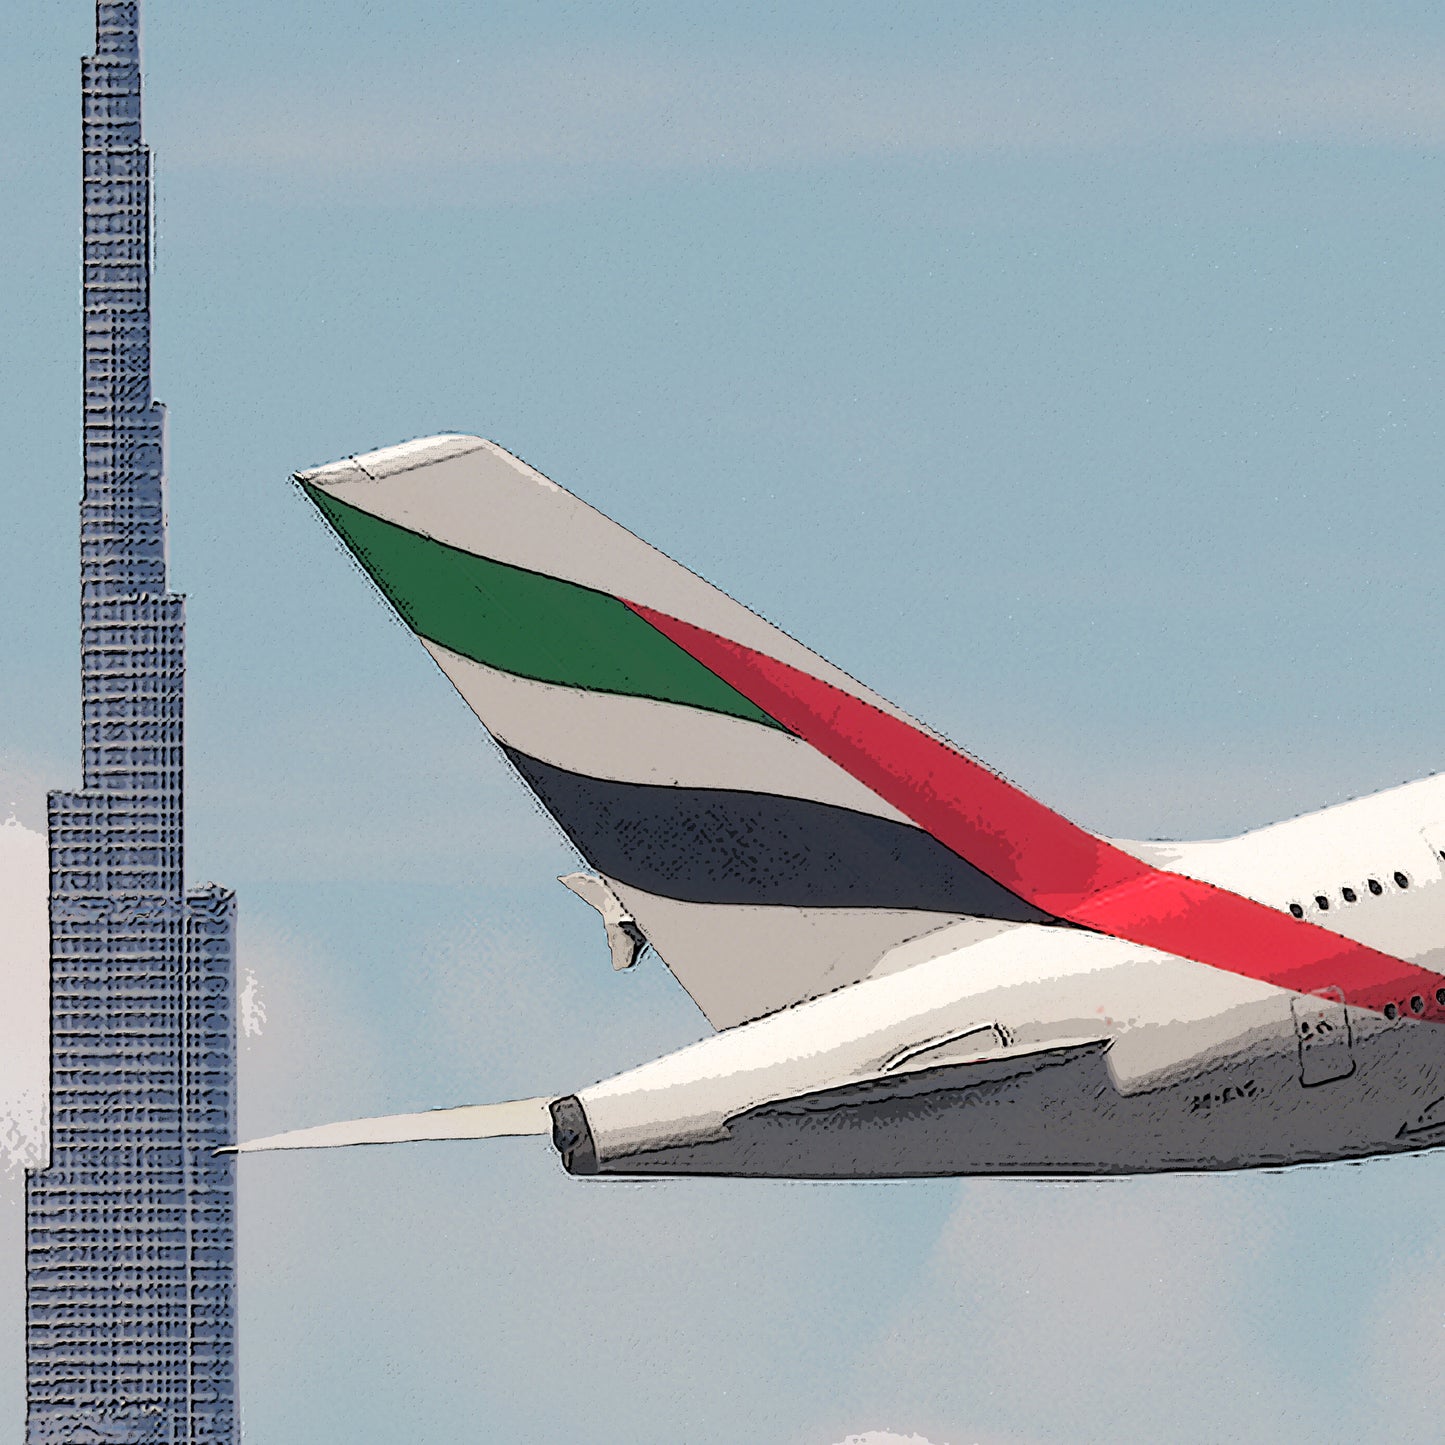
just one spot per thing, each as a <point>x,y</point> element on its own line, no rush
<point>130,1231</point>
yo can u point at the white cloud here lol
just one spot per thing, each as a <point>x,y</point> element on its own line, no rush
<point>1052,1309</point>
<point>250,1005</point>
<point>319,1058</point>
<point>24,1079</point>
<point>24,782</point>
<point>461,125</point>
<point>955,1437</point>
<point>24,1002</point>
<point>885,1437</point>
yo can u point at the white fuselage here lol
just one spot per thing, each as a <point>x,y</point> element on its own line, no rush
<point>1045,1050</point>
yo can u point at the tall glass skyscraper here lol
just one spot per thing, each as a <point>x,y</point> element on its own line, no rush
<point>130,1231</point>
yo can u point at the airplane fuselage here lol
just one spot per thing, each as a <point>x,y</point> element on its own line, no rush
<point>1049,1050</point>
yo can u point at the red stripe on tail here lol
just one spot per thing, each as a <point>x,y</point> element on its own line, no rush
<point>1041,856</point>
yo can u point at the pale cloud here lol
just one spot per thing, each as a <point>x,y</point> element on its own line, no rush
<point>24,1002</point>
<point>24,1082</point>
<point>250,1005</point>
<point>954,1437</point>
<point>886,1437</point>
<point>1057,1308</point>
<point>24,782</point>
<point>889,1437</point>
<point>539,119</point>
<point>319,1057</point>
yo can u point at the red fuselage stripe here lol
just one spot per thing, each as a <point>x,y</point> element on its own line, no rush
<point>1041,856</point>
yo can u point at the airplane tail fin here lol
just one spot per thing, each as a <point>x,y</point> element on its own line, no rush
<point>760,868</point>
<point>771,827</point>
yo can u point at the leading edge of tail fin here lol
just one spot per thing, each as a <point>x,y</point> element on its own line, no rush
<point>761,870</point>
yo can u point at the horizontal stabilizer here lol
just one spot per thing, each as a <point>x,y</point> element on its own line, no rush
<point>469,1121</point>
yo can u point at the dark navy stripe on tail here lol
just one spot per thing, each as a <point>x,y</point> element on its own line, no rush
<point>714,845</point>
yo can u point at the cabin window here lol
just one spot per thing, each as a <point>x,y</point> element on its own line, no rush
<point>1296,910</point>
<point>1323,902</point>
<point>1375,887</point>
<point>1417,1004</point>
<point>1401,881</point>
<point>1348,894</point>
<point>1440,997</point>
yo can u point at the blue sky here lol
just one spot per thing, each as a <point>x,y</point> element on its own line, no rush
<point>1073,379</point>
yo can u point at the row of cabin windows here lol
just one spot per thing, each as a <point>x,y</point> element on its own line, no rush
<point>1349,895</point>
<point>1417,1005</point>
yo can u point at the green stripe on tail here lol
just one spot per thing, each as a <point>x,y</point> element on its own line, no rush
<point>523,622</point>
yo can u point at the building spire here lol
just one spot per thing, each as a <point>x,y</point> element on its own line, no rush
<point>117,29</point>
<point>123,547</point>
